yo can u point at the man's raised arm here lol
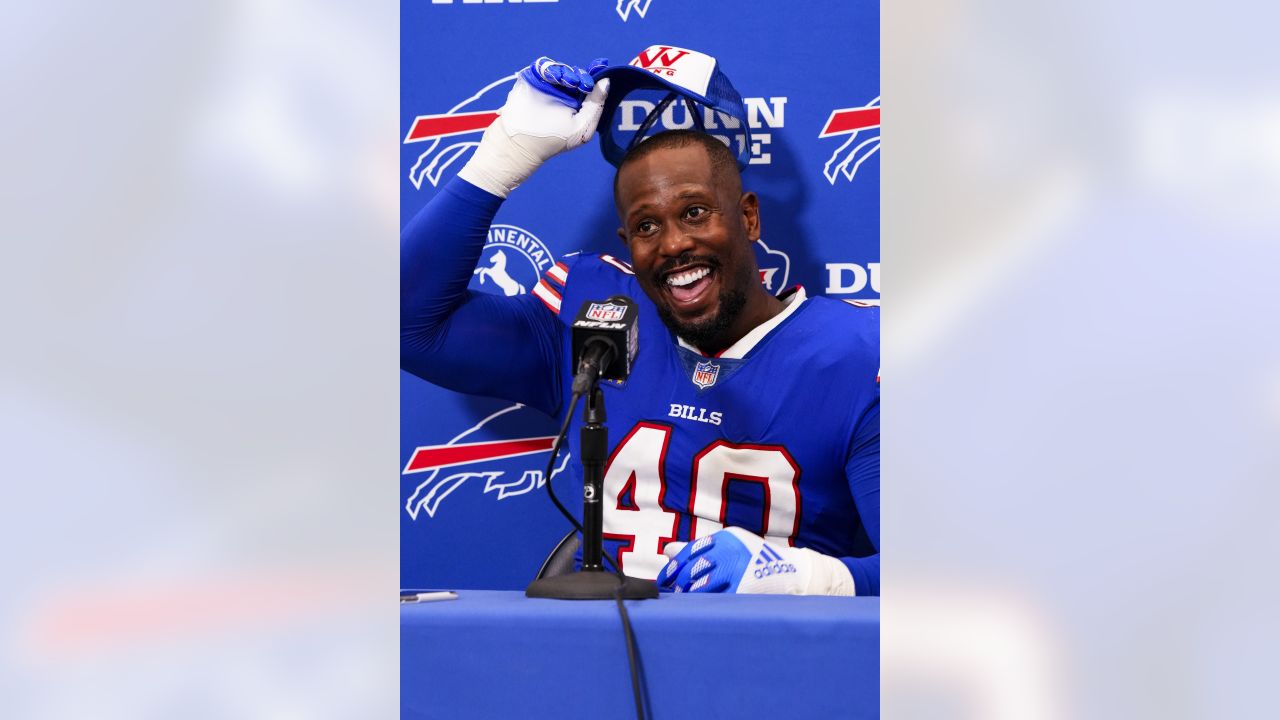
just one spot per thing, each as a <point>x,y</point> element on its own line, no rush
<point>473,342</point>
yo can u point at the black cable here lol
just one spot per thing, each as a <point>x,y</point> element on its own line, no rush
<point>627,633</point>
<point>555,450</point>
<point>632,663</point>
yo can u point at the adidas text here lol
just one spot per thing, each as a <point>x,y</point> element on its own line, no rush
<point>777,568</point>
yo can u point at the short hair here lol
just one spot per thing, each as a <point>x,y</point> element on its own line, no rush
<point>722,160</point>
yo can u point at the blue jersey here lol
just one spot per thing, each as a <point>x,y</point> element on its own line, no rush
<point>760,437</point>
<point>778,434</point>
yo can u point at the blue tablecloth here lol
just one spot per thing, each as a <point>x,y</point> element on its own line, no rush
<point>492,654</point>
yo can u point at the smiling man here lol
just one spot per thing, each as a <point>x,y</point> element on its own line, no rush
<point>744,447</point>
<point>689,229</point>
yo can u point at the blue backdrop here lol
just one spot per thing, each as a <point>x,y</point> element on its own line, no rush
<point>473,514</point>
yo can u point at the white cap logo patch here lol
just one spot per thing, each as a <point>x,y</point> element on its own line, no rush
<point>689,69</point>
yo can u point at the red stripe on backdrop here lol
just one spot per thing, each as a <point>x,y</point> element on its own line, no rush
<point>845,121</point>
<point>436,456</point>
<point>431,126</point>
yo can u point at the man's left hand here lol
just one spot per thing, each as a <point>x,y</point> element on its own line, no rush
<point>734,560</point>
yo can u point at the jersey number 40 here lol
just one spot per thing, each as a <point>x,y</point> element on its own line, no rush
<point>635,488</point>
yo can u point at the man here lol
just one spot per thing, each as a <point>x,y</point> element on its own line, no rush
<point>749,424</point>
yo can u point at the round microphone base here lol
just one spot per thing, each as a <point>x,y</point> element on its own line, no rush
<point>591,585</point>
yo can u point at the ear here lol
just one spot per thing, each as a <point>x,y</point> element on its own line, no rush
<point>750,206</point>
<point>622,235</point>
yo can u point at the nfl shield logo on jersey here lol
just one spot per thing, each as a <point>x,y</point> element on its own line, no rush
<point>704,374</point>
<point>606,312</point>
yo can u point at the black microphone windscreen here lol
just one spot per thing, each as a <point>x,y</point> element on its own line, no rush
<point>616,321</point>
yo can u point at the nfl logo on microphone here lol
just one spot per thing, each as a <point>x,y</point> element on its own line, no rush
<point>605,312</point>
<point>704,374</point>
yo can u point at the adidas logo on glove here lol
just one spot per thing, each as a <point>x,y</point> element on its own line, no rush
<point>735,560</point>
<point>768,563</point>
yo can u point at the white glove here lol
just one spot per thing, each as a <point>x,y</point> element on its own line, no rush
<point>734,560</point>
<point>532,127</point>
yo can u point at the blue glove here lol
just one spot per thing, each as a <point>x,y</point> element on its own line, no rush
<point>567,84</point>
<point>734,560</point>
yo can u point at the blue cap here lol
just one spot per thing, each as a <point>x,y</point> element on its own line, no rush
<point>658,82</point>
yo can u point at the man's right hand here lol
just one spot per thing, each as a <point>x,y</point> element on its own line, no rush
<point>552,108</point>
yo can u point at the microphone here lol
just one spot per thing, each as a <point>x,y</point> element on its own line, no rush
<point>605,334</point>
<point>603,341</point>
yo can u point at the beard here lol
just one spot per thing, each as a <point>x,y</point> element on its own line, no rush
<point>707,334</point>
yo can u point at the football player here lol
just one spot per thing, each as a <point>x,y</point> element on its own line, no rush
<point>744,446</point>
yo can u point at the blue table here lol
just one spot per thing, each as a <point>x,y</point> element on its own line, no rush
<point>493,654</point>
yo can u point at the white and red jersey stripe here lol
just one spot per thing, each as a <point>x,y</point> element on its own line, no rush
<point>550,289</point>
<point>624,267</point>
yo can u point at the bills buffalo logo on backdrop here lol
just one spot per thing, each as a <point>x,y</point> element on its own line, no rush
<point>705,374</point>
<point>451,134</point>
<point>509,466</point>
<point>862,125</point>
<point>511,262</point>
<point>625,8</point>
<point>775,267</point>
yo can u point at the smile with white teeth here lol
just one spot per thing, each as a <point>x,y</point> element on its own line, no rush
<point>685,278</point>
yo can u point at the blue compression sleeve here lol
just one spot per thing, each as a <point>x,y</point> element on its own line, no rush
<point>866,574</point>
<point>863,473</point>
<point>504,347</point>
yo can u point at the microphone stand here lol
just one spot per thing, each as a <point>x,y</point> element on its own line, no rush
<point>592,582</point>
